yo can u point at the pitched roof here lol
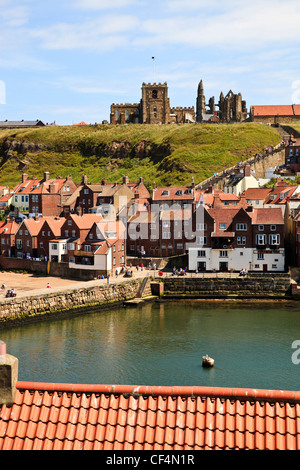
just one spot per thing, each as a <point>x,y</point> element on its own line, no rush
<point>55,224</point>
<point>274,110</point>
<point>86,221</point>
<point>257,193</point>
<point>48,416</point>
<point>174,193</point>
<point>33,225</point>
<point>270,215</point>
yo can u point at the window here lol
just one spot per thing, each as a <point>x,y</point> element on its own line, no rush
<point>73,233</point>
<point>201,227</point>
<point>222,226</point>
<point>66,233</point>
<point>166,235</point>
<point>71,246</point>
<point>166,224</point>
<point>260,256</point>
<point>179,246</point>
<point>154,94</point>
<point>165,193</point>
<point>241,226</point>
<point>241,240</point>
<point>201,241</point>
<point>274,239</point>
<point>261,239</point>
<point>261,228</point>
<point>178,192</point>
<point>85,191</point>
<point>69,222</point>
<point>273,228</point>
<point>87,247</point>
<point>54,246</point>
<point>201,254</point>
<point>223,254</point>
<point>41,245</point>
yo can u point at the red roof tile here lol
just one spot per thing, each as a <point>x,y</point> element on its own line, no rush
<point>274,110</point>
<point>104,417</point>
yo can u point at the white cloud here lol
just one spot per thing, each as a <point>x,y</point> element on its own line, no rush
<point>103,33</point>
<point>102,4</point>
<point>251,25</point>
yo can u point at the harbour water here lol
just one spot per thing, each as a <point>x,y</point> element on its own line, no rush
<point>163,344</point>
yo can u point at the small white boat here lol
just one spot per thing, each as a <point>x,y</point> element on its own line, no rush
<point>207,361</point>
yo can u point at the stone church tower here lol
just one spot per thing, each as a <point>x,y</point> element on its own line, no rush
<point>155,104</point>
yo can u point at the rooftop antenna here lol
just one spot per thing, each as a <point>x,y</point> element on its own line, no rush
<point>153,60</point>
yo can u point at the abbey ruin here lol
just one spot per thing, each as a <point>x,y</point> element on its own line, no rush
<point>154,108</point>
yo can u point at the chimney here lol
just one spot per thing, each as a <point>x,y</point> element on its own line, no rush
<point>46,175</point>
<point>141,180</point>
<point>209,189</point>
<point>24,177</point>
<point>8,376</point>
<point>193,182</point>
<point>247,170</point>
<point>52,188</point>
<point>154,185</point>
<point>84,180</point>
<point>125,179</point>
<point>104,182</point>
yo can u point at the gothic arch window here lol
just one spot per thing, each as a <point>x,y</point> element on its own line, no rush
<point>117,114</point>
<point>154,94</point>
<point>126,115</point>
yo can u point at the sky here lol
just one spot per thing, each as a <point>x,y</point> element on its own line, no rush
<point>68,60</point>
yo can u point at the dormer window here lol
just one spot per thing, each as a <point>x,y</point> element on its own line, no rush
<point>165,193</point>
<point>179,192</point>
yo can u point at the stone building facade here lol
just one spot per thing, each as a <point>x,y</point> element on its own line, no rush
<point>155,108</point>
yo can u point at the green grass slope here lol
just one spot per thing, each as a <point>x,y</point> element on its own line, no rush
<point>166,154</point>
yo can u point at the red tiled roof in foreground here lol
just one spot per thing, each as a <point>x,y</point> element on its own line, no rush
<point>116,417</point>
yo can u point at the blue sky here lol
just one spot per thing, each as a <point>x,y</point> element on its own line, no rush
<point>68,60</point>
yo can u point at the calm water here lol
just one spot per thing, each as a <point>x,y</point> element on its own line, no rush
<point>162,344</point>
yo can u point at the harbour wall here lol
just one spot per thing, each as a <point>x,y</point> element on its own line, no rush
<point>274,286</point>
<point>60,303</point>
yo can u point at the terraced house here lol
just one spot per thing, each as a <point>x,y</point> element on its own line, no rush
<point>251,239</point>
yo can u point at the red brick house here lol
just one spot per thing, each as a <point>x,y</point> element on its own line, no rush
<point>26,245</point>
<point>48,197</point>
<point>50,229</point>
<point>292,155</point>
<point>8,230</point>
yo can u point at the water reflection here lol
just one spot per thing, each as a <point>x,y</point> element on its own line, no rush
<point>162,344</point>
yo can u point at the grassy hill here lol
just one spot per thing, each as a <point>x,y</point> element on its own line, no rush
<point>166,154</point>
